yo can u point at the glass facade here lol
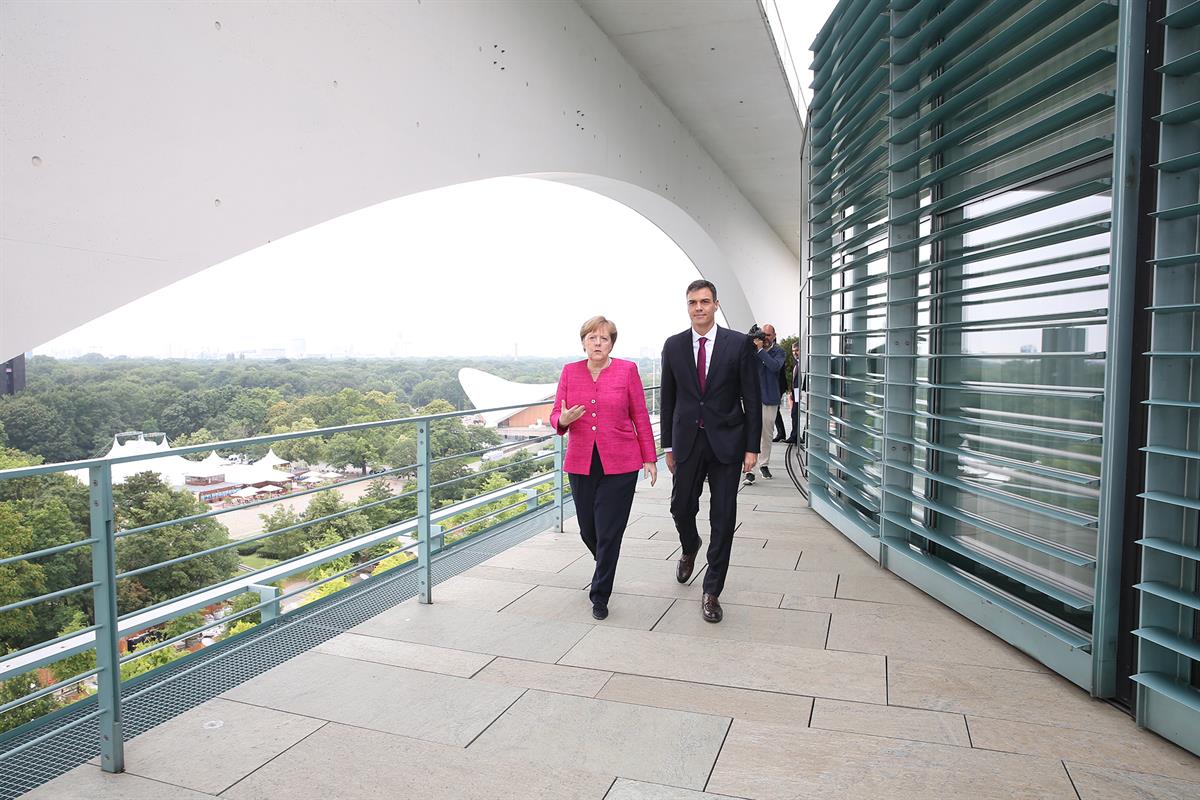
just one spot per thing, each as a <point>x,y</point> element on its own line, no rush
<point>960,213</point>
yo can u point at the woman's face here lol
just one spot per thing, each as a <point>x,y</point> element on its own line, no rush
<point>597,345</point>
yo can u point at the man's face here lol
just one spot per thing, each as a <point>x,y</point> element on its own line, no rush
<point>769,330</point>
<point>702,308</point>
<point>795,351</point>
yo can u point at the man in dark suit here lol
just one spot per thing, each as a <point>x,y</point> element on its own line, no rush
<point>711,427</point>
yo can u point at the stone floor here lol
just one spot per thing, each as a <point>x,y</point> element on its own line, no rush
<point>829,678</point>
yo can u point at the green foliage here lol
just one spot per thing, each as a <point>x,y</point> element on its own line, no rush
<point>151,661</point>
<point>19,580</point>
<point>14,689</point>
<point>283,545</point>
<point>144,499</point>
<point>244,601</point>
<point>393,561</point>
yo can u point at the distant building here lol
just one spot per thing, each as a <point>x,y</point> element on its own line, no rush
<point>487,391</point>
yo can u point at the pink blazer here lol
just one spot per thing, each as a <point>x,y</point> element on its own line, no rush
<point>614,420</point>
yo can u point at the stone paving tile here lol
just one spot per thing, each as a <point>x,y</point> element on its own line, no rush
<point>625,789</point>
<point>820,584</point>
<point>883,589</point>
<point>468,591</point>
<point>405,654</point>
<point>509,635</point>
<point>423,705</point>
<point>526,576</point>
<point>547,677</point>
<point>723,701</point>
<point>235,738</point>
<point>839,559</point>
<point>344,763</point>
<point>1132,749</point>
<point>777,556</point>
<point>750,624</point>
<point>774,762</point>
<point>545,559</point>
<point>1096,783</point>
<point>651,744</point>
<point>1014,694</point>
<point>932,634</point>
<point>573,605</point>
<point>745,665</point>
<point>936,727</point>
<point>89,782</point>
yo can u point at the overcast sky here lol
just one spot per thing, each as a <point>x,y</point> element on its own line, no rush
<point>504,267</point>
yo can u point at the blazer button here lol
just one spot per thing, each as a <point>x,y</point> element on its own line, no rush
<point>593,401</point>
<point>593,413</point>
<point>593,427</point>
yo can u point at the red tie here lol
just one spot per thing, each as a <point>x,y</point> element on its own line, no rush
<point>701,363</point>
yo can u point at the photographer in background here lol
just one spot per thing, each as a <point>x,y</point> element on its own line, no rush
<point>771,358</point>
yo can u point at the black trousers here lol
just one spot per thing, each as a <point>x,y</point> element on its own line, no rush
<point>602,504</point>
<point>780,432</point>
<point>795,422</point>
<point>723,480</point>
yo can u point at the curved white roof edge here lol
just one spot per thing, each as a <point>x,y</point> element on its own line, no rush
<point>485,390</point>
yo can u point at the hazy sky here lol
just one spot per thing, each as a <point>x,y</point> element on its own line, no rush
<point>495,268</point>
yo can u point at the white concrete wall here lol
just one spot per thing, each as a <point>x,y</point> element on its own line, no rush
<point>143,142</point>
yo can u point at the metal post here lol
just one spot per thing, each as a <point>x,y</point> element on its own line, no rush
<point>531,499</point>
<point>266,592</point>
<point>1127,164</point>
<point>104,573</point>
<point>436,538</point>
<point>901,343</point>
<point>559,500</point>
<point>424,508</point>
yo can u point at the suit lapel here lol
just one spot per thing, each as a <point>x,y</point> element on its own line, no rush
<point>687,357</point>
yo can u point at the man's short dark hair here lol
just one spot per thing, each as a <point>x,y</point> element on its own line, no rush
<point>696,286</point>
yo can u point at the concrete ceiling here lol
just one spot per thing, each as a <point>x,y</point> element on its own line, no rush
<point>715,65</point>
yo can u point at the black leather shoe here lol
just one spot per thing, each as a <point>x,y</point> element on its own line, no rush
<point>710,607</point>
<point>683,570</point>
<point>767,472</point>
<point>749,477</point>
<point>777,439</point>
<point>599,611</point>
<point>789,441</point>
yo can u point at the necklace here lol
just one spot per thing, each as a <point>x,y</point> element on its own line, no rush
<point>597,370</point>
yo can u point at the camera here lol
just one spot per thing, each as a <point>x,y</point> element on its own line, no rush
<point>757,333</point>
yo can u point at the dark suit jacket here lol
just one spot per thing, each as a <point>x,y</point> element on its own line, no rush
<point>731,388</point>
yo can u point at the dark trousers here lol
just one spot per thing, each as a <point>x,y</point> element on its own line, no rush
<point>779,429</point>
<point>723,480</point>
<point>602,504</point>
<point>795,422</point>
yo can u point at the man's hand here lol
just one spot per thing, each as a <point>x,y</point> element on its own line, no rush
<point>651,471</point>
<point>749,461</point>
<point>758,343</point>
<point>568,415</point>
<point>670,462</point>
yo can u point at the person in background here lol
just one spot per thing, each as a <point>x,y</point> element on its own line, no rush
<point>771,358</point>
<point>600,401</point>
<point>794,394</point>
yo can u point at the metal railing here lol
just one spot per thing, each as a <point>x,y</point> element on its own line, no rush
<point>431,524</point>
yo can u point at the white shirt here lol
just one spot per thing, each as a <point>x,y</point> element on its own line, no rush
<point>711,335</point>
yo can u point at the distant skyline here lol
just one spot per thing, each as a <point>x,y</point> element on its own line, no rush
<point>498,268</point>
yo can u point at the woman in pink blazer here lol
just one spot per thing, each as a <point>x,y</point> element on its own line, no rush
<point>601,402</point>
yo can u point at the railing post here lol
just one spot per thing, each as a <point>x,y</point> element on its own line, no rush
<point>266,592</point>
<point>104,573</point>
<point>437,539</point>
<point>424,508</point>
<point>559,504</point>
<point>531,499</point>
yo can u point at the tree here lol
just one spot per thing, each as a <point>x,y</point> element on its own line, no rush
<point>21,686</point>
<point>324,504</point>
<point>69,667</point>
<point>144,499</point>
<point>150,661</point>
<point>283,545</point>
<point>19,580</point>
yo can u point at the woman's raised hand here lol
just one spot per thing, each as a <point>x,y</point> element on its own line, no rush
<point>566,416</point>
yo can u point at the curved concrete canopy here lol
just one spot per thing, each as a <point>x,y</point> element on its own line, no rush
<point>145,142</point>
<point>486,390</point>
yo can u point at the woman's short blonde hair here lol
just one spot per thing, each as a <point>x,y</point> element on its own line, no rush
<point>594,324</point>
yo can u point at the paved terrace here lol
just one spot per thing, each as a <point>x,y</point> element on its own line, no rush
<point>827,679</point>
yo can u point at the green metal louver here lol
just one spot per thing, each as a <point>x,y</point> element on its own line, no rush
<point>1168,697</point>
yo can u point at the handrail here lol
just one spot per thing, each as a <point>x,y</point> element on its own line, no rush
<point>425,531</point>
